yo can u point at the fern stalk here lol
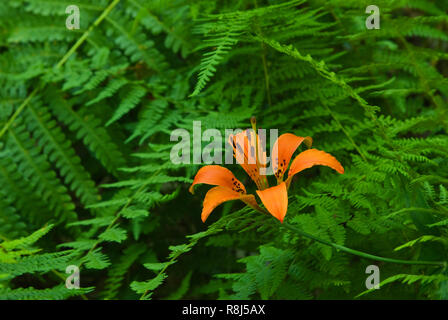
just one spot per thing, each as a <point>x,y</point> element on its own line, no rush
<point>60,64</point>
<point>360,253</point>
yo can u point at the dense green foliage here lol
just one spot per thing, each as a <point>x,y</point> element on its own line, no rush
<point>85,170</point>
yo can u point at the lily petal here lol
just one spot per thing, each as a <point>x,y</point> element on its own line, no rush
<point>217,175</point>
<point>283,149</point>
<point>244,147</point>
<point>275,199</point>
<point>312,157</point>
<point>217,195</point>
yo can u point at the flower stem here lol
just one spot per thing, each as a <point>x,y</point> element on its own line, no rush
<point>360,253</point>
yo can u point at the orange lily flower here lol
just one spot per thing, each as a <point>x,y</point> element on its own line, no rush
<point>274,199</point>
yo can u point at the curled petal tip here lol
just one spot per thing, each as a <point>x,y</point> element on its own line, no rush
<point>219,176</point>
<point>312,157</point>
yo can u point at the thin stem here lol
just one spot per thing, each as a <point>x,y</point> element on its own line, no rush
<point>86,34</point>
<point>60,63</point>
<point>117,215</point>
<point>265,64</point>
<point>404,210</point>
<point>360,253</point>
<point>142,297</point>
<point>421,76</point>
<point>322,70</point>
<point>266,73</point>
<point>344,131</point>
<point>18,111</point>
